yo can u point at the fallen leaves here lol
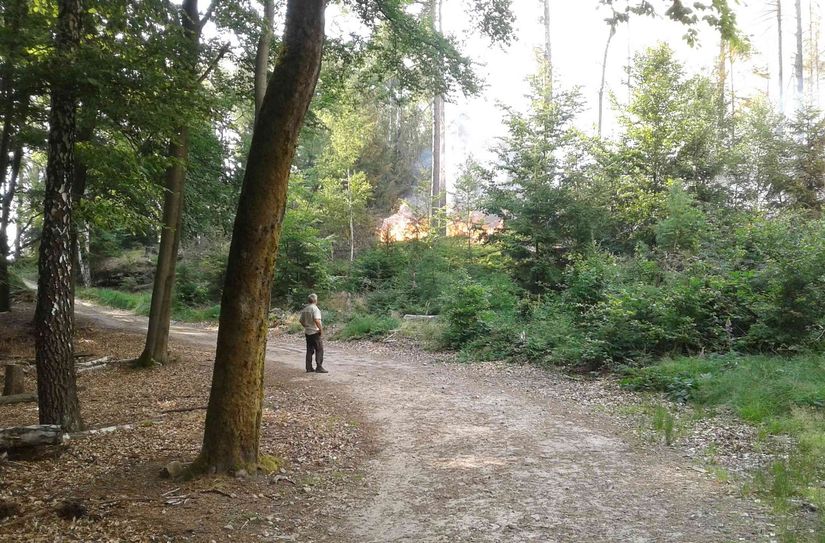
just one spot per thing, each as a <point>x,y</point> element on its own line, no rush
<point>105,484</point>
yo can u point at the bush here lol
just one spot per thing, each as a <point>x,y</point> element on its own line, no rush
<point>200,274</point>
<point>368,327</point>
<point>466,307</point>
<point>302,266</point>
<point>377,267</point>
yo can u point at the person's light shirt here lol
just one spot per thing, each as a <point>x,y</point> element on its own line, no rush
<point>309,315</point>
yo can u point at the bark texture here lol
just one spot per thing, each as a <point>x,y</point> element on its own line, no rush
<point>156,350</point>
<point>54,320</point>
<point>22,397</point>
<point>233,417</point>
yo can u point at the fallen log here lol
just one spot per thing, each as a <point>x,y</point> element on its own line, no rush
<point>91,365</point>
<point>419,317</point>
<point>18,398</point>
<point>31,436</point>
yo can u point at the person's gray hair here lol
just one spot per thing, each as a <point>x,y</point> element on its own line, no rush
<point>312,298</point>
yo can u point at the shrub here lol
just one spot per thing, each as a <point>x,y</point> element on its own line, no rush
<point>368,326</point>
<point>465,308</point>
<point>377,267</point>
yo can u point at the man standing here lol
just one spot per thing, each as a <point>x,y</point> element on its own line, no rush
<point>311,321</point>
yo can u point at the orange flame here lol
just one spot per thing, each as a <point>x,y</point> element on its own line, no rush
<point>405,225</point>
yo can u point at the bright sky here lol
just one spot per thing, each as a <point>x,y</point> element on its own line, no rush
<point>578,35</point>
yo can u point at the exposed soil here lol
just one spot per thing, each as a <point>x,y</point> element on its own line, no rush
<point>391,445</point>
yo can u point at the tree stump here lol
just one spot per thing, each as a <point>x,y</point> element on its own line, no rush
<point>14,380</point>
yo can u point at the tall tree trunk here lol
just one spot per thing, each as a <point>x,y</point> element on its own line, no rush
<point>604,72</point>
<point>438,155</point>
<point>80,232</point>
<point>798,62</point>
<point>439,190</point>
<point>13,15</point>
<point>548,51</point>
<point>722,78</point>
<point>233,417</point>
<point>262,54</point>
<point>54,320</point>
<point>781,56</point>
<point>156,350</point>
<point>351,219</point>
<point>5,217</point>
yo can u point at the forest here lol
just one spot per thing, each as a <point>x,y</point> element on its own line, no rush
<point>605,322</point>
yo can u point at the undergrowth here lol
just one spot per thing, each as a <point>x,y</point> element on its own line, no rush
<point>781,396</point>
<point>140,303</point>
<point>367,326</point>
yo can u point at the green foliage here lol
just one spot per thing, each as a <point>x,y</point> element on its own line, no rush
<point>541,206</point>
<point>377,268</point>
<point>140,303</point>
<point>466,308</point>
<point>200,274</point>
<point>759,388</point>
<point>780,395</point>
<point>136,302</point>
<point>303,260</point>
<point>368,327</point>
<point>684,224</point>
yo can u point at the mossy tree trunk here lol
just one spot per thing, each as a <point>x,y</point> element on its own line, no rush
<point>233,417</point>
<point>54,319</point>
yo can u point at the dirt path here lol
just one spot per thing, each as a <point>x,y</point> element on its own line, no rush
<point>471,456</point>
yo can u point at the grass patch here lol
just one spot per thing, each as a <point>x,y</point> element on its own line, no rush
<point>140,303</point>
<point>759,388</point>
<point>136,302</point>
<point>781,396</point>
<point>427,333</point>
<point>196,314</point>
<point>367,326</point>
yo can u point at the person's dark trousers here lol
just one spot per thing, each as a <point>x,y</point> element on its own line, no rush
<point>315,345</point>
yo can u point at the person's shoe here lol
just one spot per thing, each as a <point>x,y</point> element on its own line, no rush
<point>310,370</point>
<point>319,369</point>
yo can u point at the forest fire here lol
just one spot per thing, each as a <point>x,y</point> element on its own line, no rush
<point>478,226</point>
<point>403,225</point>
<point>406,225</point>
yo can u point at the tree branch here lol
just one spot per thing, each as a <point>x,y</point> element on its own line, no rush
<point>218,57</point>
